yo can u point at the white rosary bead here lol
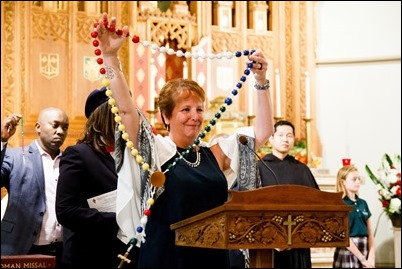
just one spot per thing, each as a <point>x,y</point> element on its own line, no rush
<point>196,55</point>
<point>179,53</point>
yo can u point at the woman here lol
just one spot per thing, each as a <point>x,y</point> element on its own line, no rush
<point>361,250</point>
<point>193,171</point>
<point>87,170</point>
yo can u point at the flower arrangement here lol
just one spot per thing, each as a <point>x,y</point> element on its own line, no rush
<point>388,183</point>
<point>299,151</point>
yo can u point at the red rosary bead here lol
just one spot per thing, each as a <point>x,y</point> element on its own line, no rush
<point>94,34</point>
<point>136,39</point>
<point>95,43</point>
<point>147,212</point>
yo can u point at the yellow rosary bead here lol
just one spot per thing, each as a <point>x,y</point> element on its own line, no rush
<point>117,118</point>
<point>129,144</point>
<point>111,101</point>
<point>134,152</point>
<point>106,83</point>
<point>139,159</point>
<point>145,166</point>
<point>150,201</point>
<point>115,110</point>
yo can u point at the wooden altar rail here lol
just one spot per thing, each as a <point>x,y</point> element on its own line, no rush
<point>282,216</point>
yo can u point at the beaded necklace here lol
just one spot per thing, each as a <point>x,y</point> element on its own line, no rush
<point>194,164</point>
<point>157,178</point>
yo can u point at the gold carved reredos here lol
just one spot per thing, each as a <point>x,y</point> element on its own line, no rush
<point>169,25</point>
<point>84,28</point>
<point>303,65</point>
<point>231,41</point>
<point>290,105</point>
<point>124,52</point>
<point>23,68</point>
<point>225,41</point>
<point>262,42</point>
<point>57,30</point>
<point>9,58</point>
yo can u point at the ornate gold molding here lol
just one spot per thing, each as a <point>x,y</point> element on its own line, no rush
<point>8,52</point>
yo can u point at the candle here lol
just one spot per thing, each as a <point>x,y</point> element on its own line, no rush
<point>152,86</point>
<point>307,93</point>
<point>250,103</point>
<point>152,96</point>
<point>185,70</point>
<point>278,93</point>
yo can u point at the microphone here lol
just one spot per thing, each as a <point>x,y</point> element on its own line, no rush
<point>244,141</point>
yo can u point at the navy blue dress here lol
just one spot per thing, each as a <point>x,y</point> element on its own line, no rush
<point>188,192</point>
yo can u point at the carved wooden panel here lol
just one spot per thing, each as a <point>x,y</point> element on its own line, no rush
<point>281,216</point>
<point>266,229</point>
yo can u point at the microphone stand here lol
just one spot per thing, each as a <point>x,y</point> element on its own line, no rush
<point>244,141</point>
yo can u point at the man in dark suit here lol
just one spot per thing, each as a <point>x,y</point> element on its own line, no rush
<point>30,174</point>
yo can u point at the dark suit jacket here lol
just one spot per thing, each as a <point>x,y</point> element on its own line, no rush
<point>25,184</point>
<point>90,236</point>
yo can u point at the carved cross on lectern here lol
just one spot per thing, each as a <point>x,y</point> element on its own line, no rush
<point>289,223</point>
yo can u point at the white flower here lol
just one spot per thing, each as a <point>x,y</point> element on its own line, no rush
<point>395,205</point>
<point>388,184</point>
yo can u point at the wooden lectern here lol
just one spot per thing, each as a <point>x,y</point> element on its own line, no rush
<point>280,216</point>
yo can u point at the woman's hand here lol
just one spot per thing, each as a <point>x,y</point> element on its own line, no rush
<point>109,40</point>
<point>260,66</point>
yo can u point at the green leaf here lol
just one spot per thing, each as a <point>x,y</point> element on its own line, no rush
<point>372,176</point>
<point>388,159</point>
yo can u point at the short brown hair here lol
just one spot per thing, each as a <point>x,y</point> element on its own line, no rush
<point>172,89</point>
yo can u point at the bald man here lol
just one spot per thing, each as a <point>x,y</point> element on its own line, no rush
<point>30,174</point>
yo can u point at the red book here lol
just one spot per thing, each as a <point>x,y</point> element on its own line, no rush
<point>28,261</point>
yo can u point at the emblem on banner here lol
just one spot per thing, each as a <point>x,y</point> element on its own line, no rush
<point>91,69</point>
<point>49,64</point>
